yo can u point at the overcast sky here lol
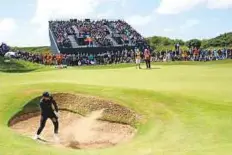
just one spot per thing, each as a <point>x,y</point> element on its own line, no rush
<point>25,22</point>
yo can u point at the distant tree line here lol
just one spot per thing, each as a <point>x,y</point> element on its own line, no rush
<point>164,43</point>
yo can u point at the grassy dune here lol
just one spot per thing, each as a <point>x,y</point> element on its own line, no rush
<point>42,49</point>
<point>17,66</point>
<point>186,107</point>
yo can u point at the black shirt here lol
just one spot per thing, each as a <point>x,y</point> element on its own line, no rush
<point>46,106</point>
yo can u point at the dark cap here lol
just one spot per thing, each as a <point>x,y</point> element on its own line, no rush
<point>46,94</point>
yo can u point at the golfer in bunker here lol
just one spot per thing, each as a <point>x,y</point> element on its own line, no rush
<point>46,105</point>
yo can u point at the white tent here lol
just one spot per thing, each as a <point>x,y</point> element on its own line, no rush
<point>10,54</point>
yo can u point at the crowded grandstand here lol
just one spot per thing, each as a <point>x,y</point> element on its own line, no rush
<point>101,33</point>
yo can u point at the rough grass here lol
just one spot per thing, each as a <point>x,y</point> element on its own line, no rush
<point>186,109</point>
<point>17,66</point>
<point>42,49</point>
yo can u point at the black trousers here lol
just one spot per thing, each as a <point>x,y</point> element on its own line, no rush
<point>148,63</point>
<point>43,121</point>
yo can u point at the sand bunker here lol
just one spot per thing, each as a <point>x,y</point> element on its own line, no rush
<point>95,130</point>
<point>77,131</point>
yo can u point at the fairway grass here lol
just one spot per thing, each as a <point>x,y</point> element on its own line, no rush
<point>186,108</point>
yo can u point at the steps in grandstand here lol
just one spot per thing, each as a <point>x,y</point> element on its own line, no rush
<point>75,29</point>
<point>73,41</point>
<point>113,41</point>
<point>109,29</point>
<point>130,43</point>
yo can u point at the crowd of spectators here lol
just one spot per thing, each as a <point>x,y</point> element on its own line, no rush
<point>100,33</point>
<point>124,56</point>
<point>4,48</point>
<point>193,55</point>
<point>125,31</point>
<point>79,59</point>
<point>61,30</point>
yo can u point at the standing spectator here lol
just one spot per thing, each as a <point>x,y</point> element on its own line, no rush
<point>138,59</point>
<point>147,57</point>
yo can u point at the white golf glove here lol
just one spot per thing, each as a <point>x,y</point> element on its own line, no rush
<point>57,114</point>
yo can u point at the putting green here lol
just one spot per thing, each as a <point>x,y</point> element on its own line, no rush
<point>186,108</point>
